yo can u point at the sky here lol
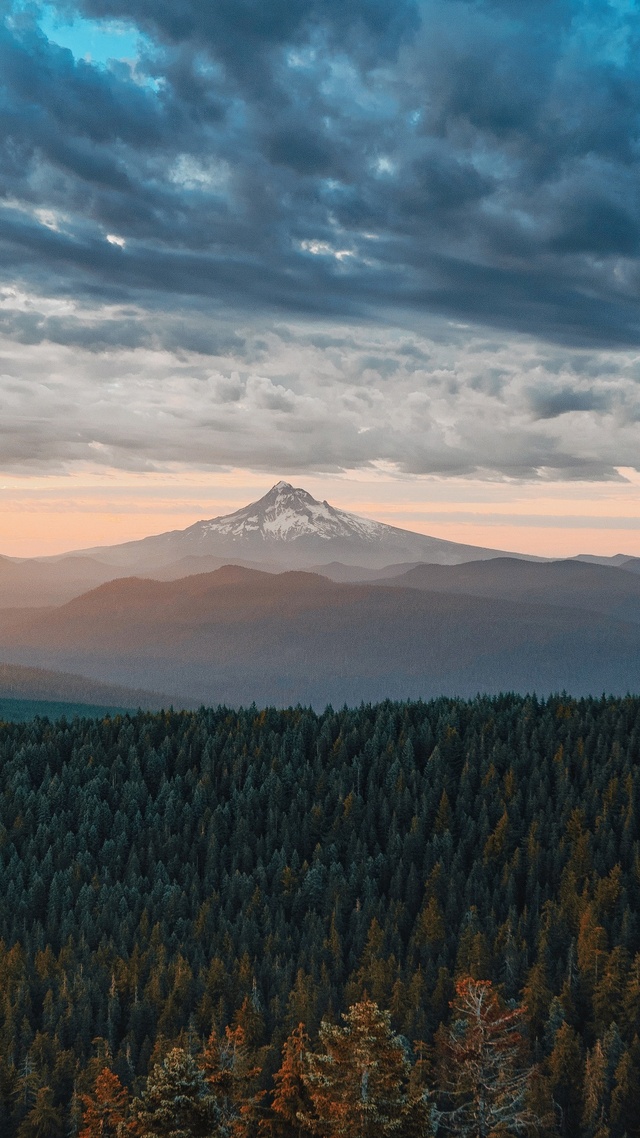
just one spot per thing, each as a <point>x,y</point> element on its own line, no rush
<point>388,250</point>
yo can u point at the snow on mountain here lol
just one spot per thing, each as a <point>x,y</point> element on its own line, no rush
<point>288,528</point>
<point>287,513</point>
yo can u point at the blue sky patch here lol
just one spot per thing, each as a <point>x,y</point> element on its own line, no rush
<point>97,41</point>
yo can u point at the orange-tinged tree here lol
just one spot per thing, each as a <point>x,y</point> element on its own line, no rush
<point>625,1097</point>
<point>595,1091</point>
<point>358,1083</point>
<point>291,1103</point>
<point>104,1113</point>
<point>591,948</point>
<point>231,1076</point>
<point>484,1074</point>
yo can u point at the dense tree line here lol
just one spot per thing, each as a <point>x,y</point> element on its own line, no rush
<point>361,1082</point>
<point>176,884</point>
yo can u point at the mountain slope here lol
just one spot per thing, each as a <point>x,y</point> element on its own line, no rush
<point>287,526</point>
<point>38,583</point>
<point>571,584</point>
<point>19,683</point>
<point>238,635</point>
<point>34,582</point>
<point>617,561</point>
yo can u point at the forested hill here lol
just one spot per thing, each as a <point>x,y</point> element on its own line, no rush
<point>165,873</point>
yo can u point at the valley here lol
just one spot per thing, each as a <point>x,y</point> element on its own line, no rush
<point>261,631</point>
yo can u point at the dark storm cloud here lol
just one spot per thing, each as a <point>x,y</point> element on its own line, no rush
<point>170,332</point>
<point>550,404</point>
<point>478,160</point>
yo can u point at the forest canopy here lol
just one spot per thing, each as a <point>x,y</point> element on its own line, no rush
<point>178,884</point>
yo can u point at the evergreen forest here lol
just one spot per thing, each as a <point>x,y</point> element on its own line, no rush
<point>290,924</point>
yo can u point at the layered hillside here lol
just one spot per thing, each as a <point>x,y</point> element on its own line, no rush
<point>45,686</point>
<point>239,635</point>
<point>573,584</point>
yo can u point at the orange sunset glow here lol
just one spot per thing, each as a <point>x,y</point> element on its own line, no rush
<point>52,515</point>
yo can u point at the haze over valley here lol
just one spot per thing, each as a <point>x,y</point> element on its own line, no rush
<point>376,612</point>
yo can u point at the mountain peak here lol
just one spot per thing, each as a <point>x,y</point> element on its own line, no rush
<point>288,513</point>
<point>288,526</point>
<point>284,492</point>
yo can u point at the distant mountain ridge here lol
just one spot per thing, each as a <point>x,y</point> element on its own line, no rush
<point>289,527</point>
<point>618,561</point>
<point>285,529</point>
<point>577,584</point>
<point>20,683</point>
<point>239,635</point>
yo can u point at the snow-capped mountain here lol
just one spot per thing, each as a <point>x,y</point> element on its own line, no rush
<point>288,527</point>
<point>288,513</point>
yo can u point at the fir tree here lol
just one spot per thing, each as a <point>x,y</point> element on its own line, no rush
<point>45,1119</point>
<point>625,1096</point>
<point>291,1104</point>
<point>595,1092</point>
<point>565,1067</point>
<point>231,1077</point>
<point>176,1102</point>
<point>358,1082</point>
<point>104,1113</point>
<point>483,1068</point>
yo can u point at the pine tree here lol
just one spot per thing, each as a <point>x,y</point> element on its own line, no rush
<point>291,1104</point>
<point>176,1102</point>
<point>566,1076</point>
<point>377,971</point>
<point>358,1084</point>
<point>44,1120</point>
<point>104,1113</point>
<point>625,1097</point>
<point>231,1077</point>
<point>250,1020</point>
<point>595,1091</point>
<point>537,998</point>
<point>483,1069</point>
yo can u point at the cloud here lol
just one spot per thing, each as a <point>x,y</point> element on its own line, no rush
<point>472,159</point>
<point>323,235</point>
<point>116,387</point>
<point>548,404</point>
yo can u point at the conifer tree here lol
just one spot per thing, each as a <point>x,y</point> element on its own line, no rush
<point>250,1020</point>
<point>483,1070</point>
<point>537,998</point>
<point>104,1113</point>
<point>566,1077</point>
<point>176,1102</point>
<point>358,1083</point>
<point>376,973</point>
<point>625,1096</point>
<point>44,1120</point>
<point>291,1103</point>
<point>231,1077</point>
<point>595,1092</point>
